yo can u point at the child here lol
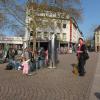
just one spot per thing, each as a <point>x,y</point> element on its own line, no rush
<point>25,66</point>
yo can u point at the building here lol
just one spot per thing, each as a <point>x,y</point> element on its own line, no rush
<point>97,39</point>
<point>65,27</point>
<point>5,40</point>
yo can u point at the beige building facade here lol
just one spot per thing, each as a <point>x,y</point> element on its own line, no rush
<point>97,39</point>
<point>66,29</point>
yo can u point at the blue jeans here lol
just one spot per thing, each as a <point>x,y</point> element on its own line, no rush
<point>17,64</point>
<point>32,66</point>
<point>41,63</point>
<point>12,62</point>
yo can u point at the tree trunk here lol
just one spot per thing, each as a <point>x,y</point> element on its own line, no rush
<point>34,41</point>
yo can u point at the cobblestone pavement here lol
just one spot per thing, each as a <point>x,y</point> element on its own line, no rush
<point>49,84</point>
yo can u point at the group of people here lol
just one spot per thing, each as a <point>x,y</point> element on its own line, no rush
<point>25,59</point>
<point>29,60</point>
<point>36,59</point>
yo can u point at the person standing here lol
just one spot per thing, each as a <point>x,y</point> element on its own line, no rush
<point>80,55</point>
<point>1,52</point>
<point>25,66</point>
<point>46,57</point>
<point>27,59</point>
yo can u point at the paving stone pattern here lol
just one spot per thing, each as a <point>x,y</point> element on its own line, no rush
<point>49,84</point>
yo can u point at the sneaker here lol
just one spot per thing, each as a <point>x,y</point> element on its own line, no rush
<point>29,74</point>
<point>53,67</point>
<point>50,67</point>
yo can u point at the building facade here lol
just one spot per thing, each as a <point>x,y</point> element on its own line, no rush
<point>97,39</point>
<point>64,27</point>
<point>11,41</point>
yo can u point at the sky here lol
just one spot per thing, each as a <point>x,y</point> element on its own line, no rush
<point>90,16</point>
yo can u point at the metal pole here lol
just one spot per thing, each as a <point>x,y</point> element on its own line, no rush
<point>52,60</point>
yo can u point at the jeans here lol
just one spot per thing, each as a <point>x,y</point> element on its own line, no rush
<point>12,62</point>
<point>32,66</point>
<point>81,65</point>
<point>41,63</point>
<point>17,64</point>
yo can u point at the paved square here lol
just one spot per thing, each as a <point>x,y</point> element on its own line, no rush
<point>49,84</point>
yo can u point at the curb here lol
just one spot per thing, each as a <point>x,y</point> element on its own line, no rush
<point>95,90</point>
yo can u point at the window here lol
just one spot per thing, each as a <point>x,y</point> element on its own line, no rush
<point>64,36</point>
<point>58,35</point>
<point>51,33</point>
<point>31,33</point>
<point>59,25</point>
<point>45,34</point>
<point>64,25</point>
<point>39,35</point>
<point>98,39</point>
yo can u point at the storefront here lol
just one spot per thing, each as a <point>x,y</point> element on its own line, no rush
<point>11,41</point>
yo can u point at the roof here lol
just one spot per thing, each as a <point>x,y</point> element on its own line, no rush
<point>97,29</point>
<point>35,6</point>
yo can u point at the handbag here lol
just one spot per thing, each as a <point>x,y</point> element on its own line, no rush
<point>86,56</point>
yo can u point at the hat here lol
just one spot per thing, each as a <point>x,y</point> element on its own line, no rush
<point>81,38</point>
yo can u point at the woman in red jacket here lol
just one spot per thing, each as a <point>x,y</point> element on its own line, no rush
<point>80,54</point>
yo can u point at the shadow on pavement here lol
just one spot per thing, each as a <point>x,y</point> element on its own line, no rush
<point>97,95</point>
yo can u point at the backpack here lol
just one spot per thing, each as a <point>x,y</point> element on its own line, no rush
<point>9,67</point>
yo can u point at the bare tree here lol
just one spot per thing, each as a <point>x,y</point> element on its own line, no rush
<point>2,20</point>
<point>33,7</point>
<point>13,15</point>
